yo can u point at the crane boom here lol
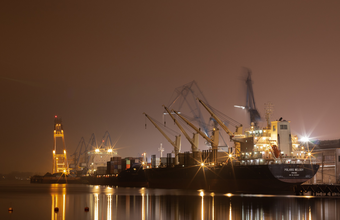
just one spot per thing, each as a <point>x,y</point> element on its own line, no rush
<point>176,144</point>
<point>214,140</point>
<point>194,127</point>
<point>225,128</point>
<point>160,130</point>
<point>186,96</point>
<point>233,137</point>
<point>255,116</point>
<point>191,140</point>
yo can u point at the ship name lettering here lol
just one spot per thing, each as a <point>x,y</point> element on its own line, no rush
<point>298,169</point>
<point>294,174</point>
<point>289,169</point>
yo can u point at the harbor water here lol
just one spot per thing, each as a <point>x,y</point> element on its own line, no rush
<point>76,201</point>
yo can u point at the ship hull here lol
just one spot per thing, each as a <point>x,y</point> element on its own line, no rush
<point>53,179</point>
<point>235,179</point>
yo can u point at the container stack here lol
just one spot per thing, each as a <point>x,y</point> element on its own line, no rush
<point>125,164</point>
<point>114,166</point>
<point>117,164</point>
<point>153,161</point>
<point>101,171</point>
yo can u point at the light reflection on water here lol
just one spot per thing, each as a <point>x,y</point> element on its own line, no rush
<point>38,201</point>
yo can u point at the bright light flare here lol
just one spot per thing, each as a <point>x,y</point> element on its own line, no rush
<point>202,164</point>
<point>238,106</point>
<point>304,139</point>
<point>202,193</point>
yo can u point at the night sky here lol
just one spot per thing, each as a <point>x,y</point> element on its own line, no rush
<point>100,65</point>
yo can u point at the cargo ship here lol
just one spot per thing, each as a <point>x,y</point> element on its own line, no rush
<point>266,159</point>
<point>133,176</point>
<point>233,177</point>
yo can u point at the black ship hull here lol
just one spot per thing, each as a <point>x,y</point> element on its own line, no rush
<point>59,180</point>
<point>273,178</point>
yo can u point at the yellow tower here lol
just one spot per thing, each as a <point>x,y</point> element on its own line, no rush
<point>60,164</point>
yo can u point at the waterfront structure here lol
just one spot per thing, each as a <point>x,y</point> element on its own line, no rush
<point>60,164</point>
<point>327,154</point>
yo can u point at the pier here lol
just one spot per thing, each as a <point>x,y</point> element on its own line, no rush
<point>318,189</point>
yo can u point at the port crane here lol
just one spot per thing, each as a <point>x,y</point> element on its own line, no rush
<point>213,140</point>
<point>186,96</point>
<point>80,150</point>
<point>233,136</point>
<point>60,163</point>
<point>193,141</point>
<point>176,144</point>
<point>250,106</point>
<point>81,156</point>
<point>250,102</point>
<point>106,142</point>
<point>85,154</point>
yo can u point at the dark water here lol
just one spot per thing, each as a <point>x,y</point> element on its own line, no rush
<point>38,201</point>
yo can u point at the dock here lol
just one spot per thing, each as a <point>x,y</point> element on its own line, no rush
<point>318,189</point>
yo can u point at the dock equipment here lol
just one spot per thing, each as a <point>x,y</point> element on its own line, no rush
<point>60,164</point>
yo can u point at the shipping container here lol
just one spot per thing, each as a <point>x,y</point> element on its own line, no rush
<point>101,172</point>
<point>83,165</point>
<point>101,168</point>
<point>116,158</point>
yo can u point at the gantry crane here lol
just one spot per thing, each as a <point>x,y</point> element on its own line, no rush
<point>193,141</point>
<point>176,144</point>
<point>60,163</point>
<point>77,154</point>
<point>214,140</point>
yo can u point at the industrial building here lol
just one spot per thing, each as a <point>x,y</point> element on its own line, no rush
<point>327,154</point>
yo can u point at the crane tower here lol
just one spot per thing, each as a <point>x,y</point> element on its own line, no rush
<point>60,164</point>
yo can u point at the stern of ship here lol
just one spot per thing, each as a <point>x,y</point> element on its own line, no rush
<point>293,173</point>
